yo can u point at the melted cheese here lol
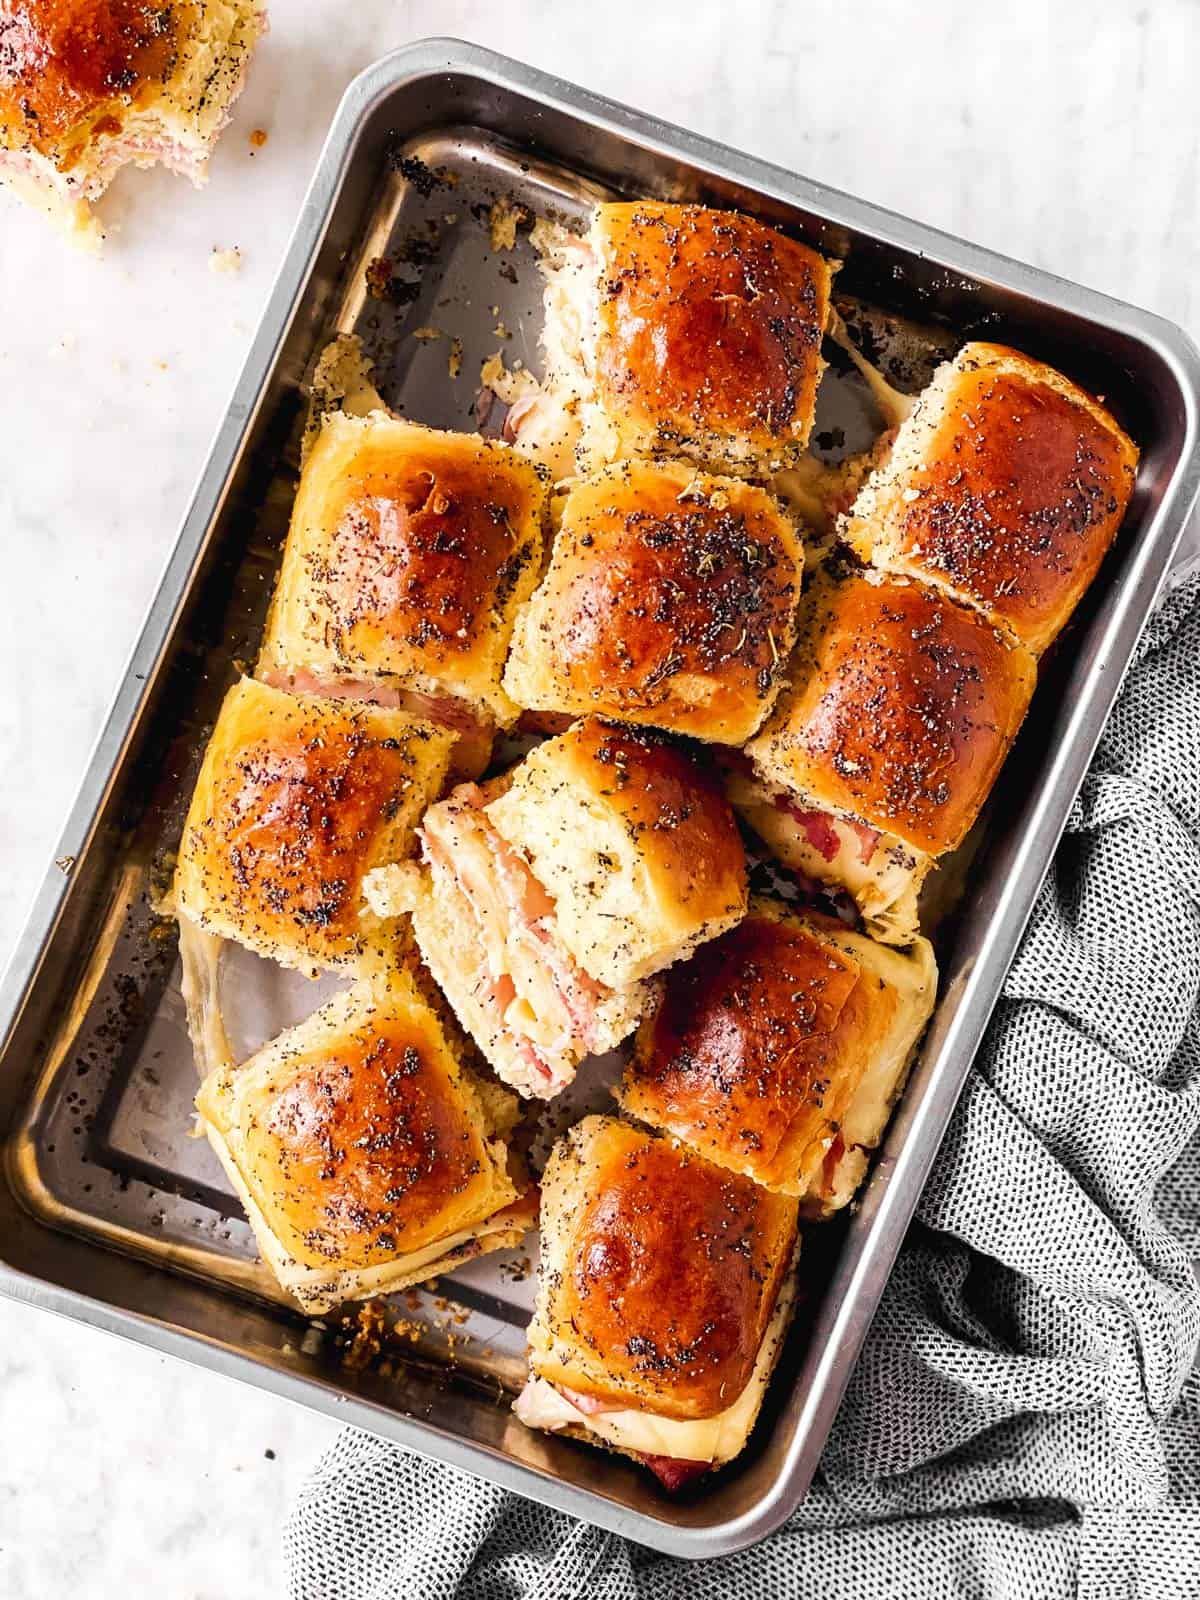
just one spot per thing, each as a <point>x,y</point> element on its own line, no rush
<point>912,975</point>
<point>884,888</point>
<point>341,381</point>
<point>460,840</point>
<point>532,1009</point>
<point>716,1439</point>
<point>894,406</point>
<point>559,422</point>
<point>200,958</point>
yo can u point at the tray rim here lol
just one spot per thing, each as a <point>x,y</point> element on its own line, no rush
<point>1063,773</point>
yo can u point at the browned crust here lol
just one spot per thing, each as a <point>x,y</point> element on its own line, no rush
<point>669,602</point>
<point>408,553</point>
<point>1020,488</point>
<point>902,709</point>
<point>756,1046</point>
<point>709,323</point>
<point>674,811</point>
<point>297,798</point>
<point>671,1277</point>
<point>62,61</point>
<point>356,1152</point>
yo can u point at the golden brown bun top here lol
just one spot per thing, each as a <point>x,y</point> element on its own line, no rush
<point>753,1043</point>
<point>902,710</point>
<point>295,799</point>
<point>674,810</point>
<point>671,599</point>
<point>432,530</point>
<point>672,1272</point>
<point>361,1145</point>
<point>62,60</point>
<point>1020,489</point>
<point>410,543</point>
<point>708,321</point>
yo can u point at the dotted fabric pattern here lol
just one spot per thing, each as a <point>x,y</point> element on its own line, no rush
<point>1023,1422</point>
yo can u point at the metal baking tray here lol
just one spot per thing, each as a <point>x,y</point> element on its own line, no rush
<point>109,1212</point>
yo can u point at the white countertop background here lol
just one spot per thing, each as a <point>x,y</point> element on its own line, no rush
<point>1066,133</point>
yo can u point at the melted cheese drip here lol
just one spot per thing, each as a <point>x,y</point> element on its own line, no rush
<point>894,406</point>
<point>200,958</point>
<point>884,888</point>
<point>341,381</point>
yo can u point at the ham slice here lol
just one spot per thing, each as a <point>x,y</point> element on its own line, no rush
<point>520,411</point>
<point>819,829</point>
<point>532,988</point>
<point>587,1403</point>
<point>473,747</point>
<point>532,913</point>
<point>672,1473</point>
<point>868,838</point>
<point>830,1164</point>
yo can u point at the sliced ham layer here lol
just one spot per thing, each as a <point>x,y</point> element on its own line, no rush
<point>820,828</point>
<point>541,418</point>
<point>672,1473</point>
<point>519,412</point>
<point>817,827</point>
<point>587,1403</point>
<point>868,839</point>
<point>830,1165</point>
<point>473,748</point>
<point>530,985</point>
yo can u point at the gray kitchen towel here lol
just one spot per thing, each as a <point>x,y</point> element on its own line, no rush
<point>1022,1422</point>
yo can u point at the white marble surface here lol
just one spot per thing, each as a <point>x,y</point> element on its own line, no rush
<point>1065,133</point>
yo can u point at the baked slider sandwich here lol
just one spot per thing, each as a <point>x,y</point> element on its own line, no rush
<point>87,86</point>
<point>670,602</point>
<point>367,1155</point>
<point>900,709</point>
<point>1005,487</point>
<point>780,1048</point>
<point>675,330</point>
<point>409,552</point>
<point>664,1293</point>
<point>298,799</point>
<point>551,895</point>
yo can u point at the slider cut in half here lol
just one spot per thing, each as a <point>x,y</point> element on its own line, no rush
<point>664,1292</point>
<point>551,895</point>
<point>87,87</point>
<point>778,1050</point>
<point>900,710</point>
<point>676,330</point>
<point>670,601</point>
<point>409,553</point>
<point>366,1155</point>
<point>1005,487</point>
<point>297,800</point>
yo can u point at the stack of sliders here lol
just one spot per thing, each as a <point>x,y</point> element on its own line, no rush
<point>981,528</point>
<point>500,925</point>
<point>858,738</point>
<point>368,1150</point>
<point>766,1070</point>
